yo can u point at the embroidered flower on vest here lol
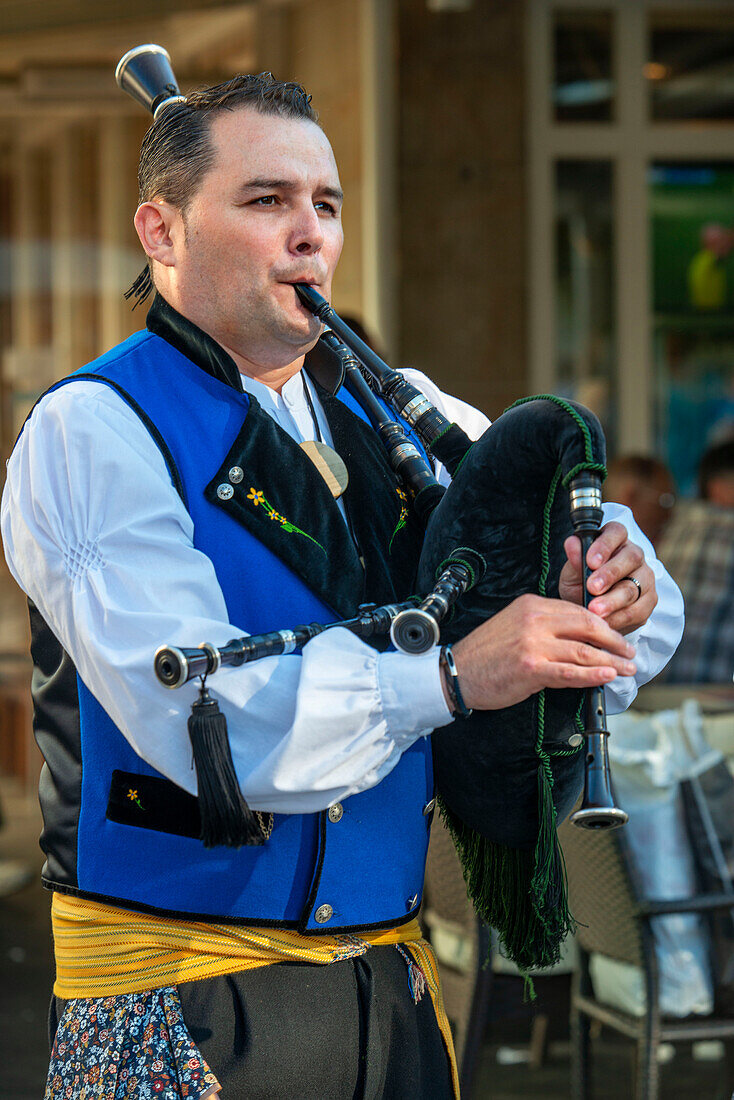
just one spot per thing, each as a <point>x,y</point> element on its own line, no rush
<point>257,498</point>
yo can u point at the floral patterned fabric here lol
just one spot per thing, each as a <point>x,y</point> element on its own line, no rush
<point>134,1046</point>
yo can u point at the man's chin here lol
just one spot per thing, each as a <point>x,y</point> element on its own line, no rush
<point>302,333</point>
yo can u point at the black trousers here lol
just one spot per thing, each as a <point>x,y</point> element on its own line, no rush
<point>345,1031</point>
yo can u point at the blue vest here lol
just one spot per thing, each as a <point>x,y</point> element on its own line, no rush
<point>364,868</point>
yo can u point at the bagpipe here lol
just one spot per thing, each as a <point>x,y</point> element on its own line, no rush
<point>504,778</point>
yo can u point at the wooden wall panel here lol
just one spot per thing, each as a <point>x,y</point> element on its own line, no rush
<point>462,205</point>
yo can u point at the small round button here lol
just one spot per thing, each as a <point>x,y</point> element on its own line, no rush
<point>225,492</point>
<point>323,913</point>
<point>236,474</point>
<point>575,740</point>
<point>336,812</point>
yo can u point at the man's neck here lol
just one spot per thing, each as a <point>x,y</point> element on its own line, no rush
<point>275,377</point>
<point>196,344</point>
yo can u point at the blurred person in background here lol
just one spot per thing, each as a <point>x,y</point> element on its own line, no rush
<point>716,475</point>
<point>707,284</point>
<point>646,486</point>
<point>698,550</point>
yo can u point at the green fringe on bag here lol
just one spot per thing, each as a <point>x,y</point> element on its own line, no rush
<point>521,894</point>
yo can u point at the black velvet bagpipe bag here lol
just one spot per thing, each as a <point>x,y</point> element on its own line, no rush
<point>507,778</point>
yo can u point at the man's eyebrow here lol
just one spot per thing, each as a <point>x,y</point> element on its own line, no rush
<point>262,183</point>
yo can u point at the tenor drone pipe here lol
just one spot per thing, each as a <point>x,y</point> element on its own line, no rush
<point>174,667</point>
<point>598,809</point>
<point>446,441</point>
<point>416,630</point>
<point>404,457</point>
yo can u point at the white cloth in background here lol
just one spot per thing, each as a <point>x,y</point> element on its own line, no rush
<point>650,754</point>
<point>101,542</point>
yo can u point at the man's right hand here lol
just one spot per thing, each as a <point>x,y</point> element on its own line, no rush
<point>535,643</point>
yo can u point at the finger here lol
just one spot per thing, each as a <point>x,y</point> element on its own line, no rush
<point>578,676</point>
<point>580,624</point>
<point>631,618</point>
<point>628,559</point>
<point>622,595</point>
<point>572,548</point>
<point>589,656</point>
<point>610,538</point>
<point>634,616</point>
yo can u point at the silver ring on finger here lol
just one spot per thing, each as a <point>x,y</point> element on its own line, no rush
<point>637,585</point>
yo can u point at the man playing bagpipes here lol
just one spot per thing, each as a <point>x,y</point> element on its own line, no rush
<point>255,928</point>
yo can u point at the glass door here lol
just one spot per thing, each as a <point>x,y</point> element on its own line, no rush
<point>631,188</point>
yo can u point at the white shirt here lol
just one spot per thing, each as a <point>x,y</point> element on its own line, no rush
<point>98,538</point>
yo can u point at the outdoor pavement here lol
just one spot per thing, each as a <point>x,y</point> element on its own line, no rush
<point>26,977</point>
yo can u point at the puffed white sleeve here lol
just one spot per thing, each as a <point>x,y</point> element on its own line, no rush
<point>658,639</point>
<point>96,535</point>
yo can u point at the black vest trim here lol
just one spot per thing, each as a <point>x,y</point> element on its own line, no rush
<point>285,504</point>
<point>311,901</point>
<point>198,346</point>
<point>207,918</point>
<point>387,531</point>
<point>155,434</point>
<point>55,694</point>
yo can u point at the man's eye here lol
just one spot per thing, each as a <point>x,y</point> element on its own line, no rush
<point>326,207</point>
<point>265,200</point>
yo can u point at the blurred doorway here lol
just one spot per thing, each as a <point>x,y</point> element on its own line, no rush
<point>631,188</point>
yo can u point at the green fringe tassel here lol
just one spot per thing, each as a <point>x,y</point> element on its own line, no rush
<point>523,895</point>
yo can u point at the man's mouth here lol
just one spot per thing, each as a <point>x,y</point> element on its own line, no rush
<point>307,282</point>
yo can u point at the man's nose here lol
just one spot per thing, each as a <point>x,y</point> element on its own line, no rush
<point>307,234</point>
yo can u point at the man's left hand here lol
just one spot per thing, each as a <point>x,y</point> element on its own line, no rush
<point>613,559</point>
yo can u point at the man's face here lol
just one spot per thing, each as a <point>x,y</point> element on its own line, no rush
<point>265,216</point>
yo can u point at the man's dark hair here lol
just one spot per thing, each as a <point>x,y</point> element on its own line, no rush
<point>177,150</point>
<point>717,460</point>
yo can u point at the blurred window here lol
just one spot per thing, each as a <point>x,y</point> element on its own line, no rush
<point>583,85</point>
<point>690,67</point>
<point>584,293</point>
<point>692,243</point>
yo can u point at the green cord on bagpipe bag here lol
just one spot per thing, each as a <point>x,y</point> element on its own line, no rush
<point>507,778</point>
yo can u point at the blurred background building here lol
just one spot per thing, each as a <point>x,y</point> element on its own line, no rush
<point>540,193</point>
<point>539,198</point>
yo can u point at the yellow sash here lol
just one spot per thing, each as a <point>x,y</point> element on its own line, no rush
<point>103,951</point>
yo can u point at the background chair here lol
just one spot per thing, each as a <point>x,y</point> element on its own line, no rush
<point>615,921</point>
<point>462,945</point>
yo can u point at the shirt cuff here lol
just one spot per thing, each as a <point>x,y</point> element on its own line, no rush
<point>411,695</point>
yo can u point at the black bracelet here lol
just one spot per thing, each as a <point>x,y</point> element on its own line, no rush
<point>446,661</point>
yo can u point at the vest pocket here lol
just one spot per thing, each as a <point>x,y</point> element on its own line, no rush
<point>152,802</point>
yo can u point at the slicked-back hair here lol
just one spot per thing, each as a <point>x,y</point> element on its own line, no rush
<point>178,151</point>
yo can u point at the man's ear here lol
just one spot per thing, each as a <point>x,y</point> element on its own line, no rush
<point>157,225</point>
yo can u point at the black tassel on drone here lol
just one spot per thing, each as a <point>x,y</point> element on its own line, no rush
<point>226,819</point>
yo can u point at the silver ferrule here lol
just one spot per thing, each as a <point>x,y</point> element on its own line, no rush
<point>587,497</point>
<point>289,640</point>
<point>183,664</point>
<point>167,103</point>
<point>213,654</point>
<point>437,600</point>
<point>415,409</point>
<point>405,450</point>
